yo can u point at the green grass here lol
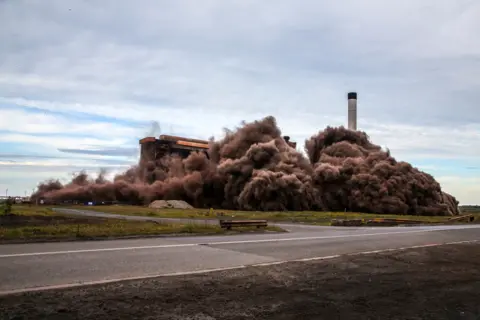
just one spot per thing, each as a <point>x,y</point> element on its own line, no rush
<point>41,223</point>
<point>106,229</point>
<point>312,217</point>
<point>470,209</point>
<point>26,210</point>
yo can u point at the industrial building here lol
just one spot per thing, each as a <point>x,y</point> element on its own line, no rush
<point>152,149</point>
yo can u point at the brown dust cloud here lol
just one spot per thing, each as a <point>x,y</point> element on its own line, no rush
<point>253,168</point>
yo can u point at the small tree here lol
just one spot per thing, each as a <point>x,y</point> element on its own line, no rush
<point>7,206</point>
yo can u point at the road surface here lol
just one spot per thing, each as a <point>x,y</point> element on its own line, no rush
<point>40,265</point>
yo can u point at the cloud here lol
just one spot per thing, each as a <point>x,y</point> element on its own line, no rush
<point>460,142</point>
<point>86,79</point>
<point>60,141</point>
<point>105,151</point>
<point>22,158</point>
<point>467,187</point>
<point>34,122</point>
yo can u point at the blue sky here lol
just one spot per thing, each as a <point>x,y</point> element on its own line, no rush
<point>82,81</point>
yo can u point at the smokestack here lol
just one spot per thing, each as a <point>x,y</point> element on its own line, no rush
<point>352,111</point>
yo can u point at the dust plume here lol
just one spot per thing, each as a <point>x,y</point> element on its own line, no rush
<point>154,130</point>
<point>253,168</point>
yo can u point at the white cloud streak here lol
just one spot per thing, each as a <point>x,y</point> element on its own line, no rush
<point>18,120</point>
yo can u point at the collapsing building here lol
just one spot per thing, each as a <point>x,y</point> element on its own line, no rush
<point>153,149</point>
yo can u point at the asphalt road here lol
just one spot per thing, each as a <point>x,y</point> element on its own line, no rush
<point>27,266</point>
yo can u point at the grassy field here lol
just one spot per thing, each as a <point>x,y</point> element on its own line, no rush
<point>470,209</point>
<point>41,223</point>
<point>311,217</point>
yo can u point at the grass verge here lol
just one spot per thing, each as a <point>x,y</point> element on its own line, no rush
<point>311,217</point>
<point>42,224</point>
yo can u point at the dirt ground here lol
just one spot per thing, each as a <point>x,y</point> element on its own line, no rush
<point>429,283</point>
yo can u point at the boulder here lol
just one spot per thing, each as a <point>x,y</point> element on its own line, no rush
<point>172,204</point>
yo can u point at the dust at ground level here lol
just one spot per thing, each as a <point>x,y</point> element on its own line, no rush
<point>429,283</point>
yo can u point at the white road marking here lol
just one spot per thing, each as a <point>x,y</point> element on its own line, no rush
<point>207,244</point>
<point>465,241</point>
<point>267,264</point>
<point>106,281</point>
<point>412,247</point>
<point>317,258</point>
<point>184,273</point>
<point>94,250</point>
<point>217,243</point>
<point>318,237</point>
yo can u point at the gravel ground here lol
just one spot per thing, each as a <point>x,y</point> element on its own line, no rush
<point>429,283</point>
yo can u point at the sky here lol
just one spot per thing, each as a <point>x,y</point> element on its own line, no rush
<point>82,81</point>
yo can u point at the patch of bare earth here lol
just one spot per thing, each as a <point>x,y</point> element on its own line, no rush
<point>429,283</point>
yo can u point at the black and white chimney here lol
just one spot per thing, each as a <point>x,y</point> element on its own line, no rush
<point>352,110</point>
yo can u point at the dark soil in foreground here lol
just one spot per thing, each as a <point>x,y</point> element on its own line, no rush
<point>430,283</point>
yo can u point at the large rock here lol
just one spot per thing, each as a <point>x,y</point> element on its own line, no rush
<point>165,204</point>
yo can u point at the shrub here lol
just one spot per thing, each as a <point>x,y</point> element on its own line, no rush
<point>7,207</point>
